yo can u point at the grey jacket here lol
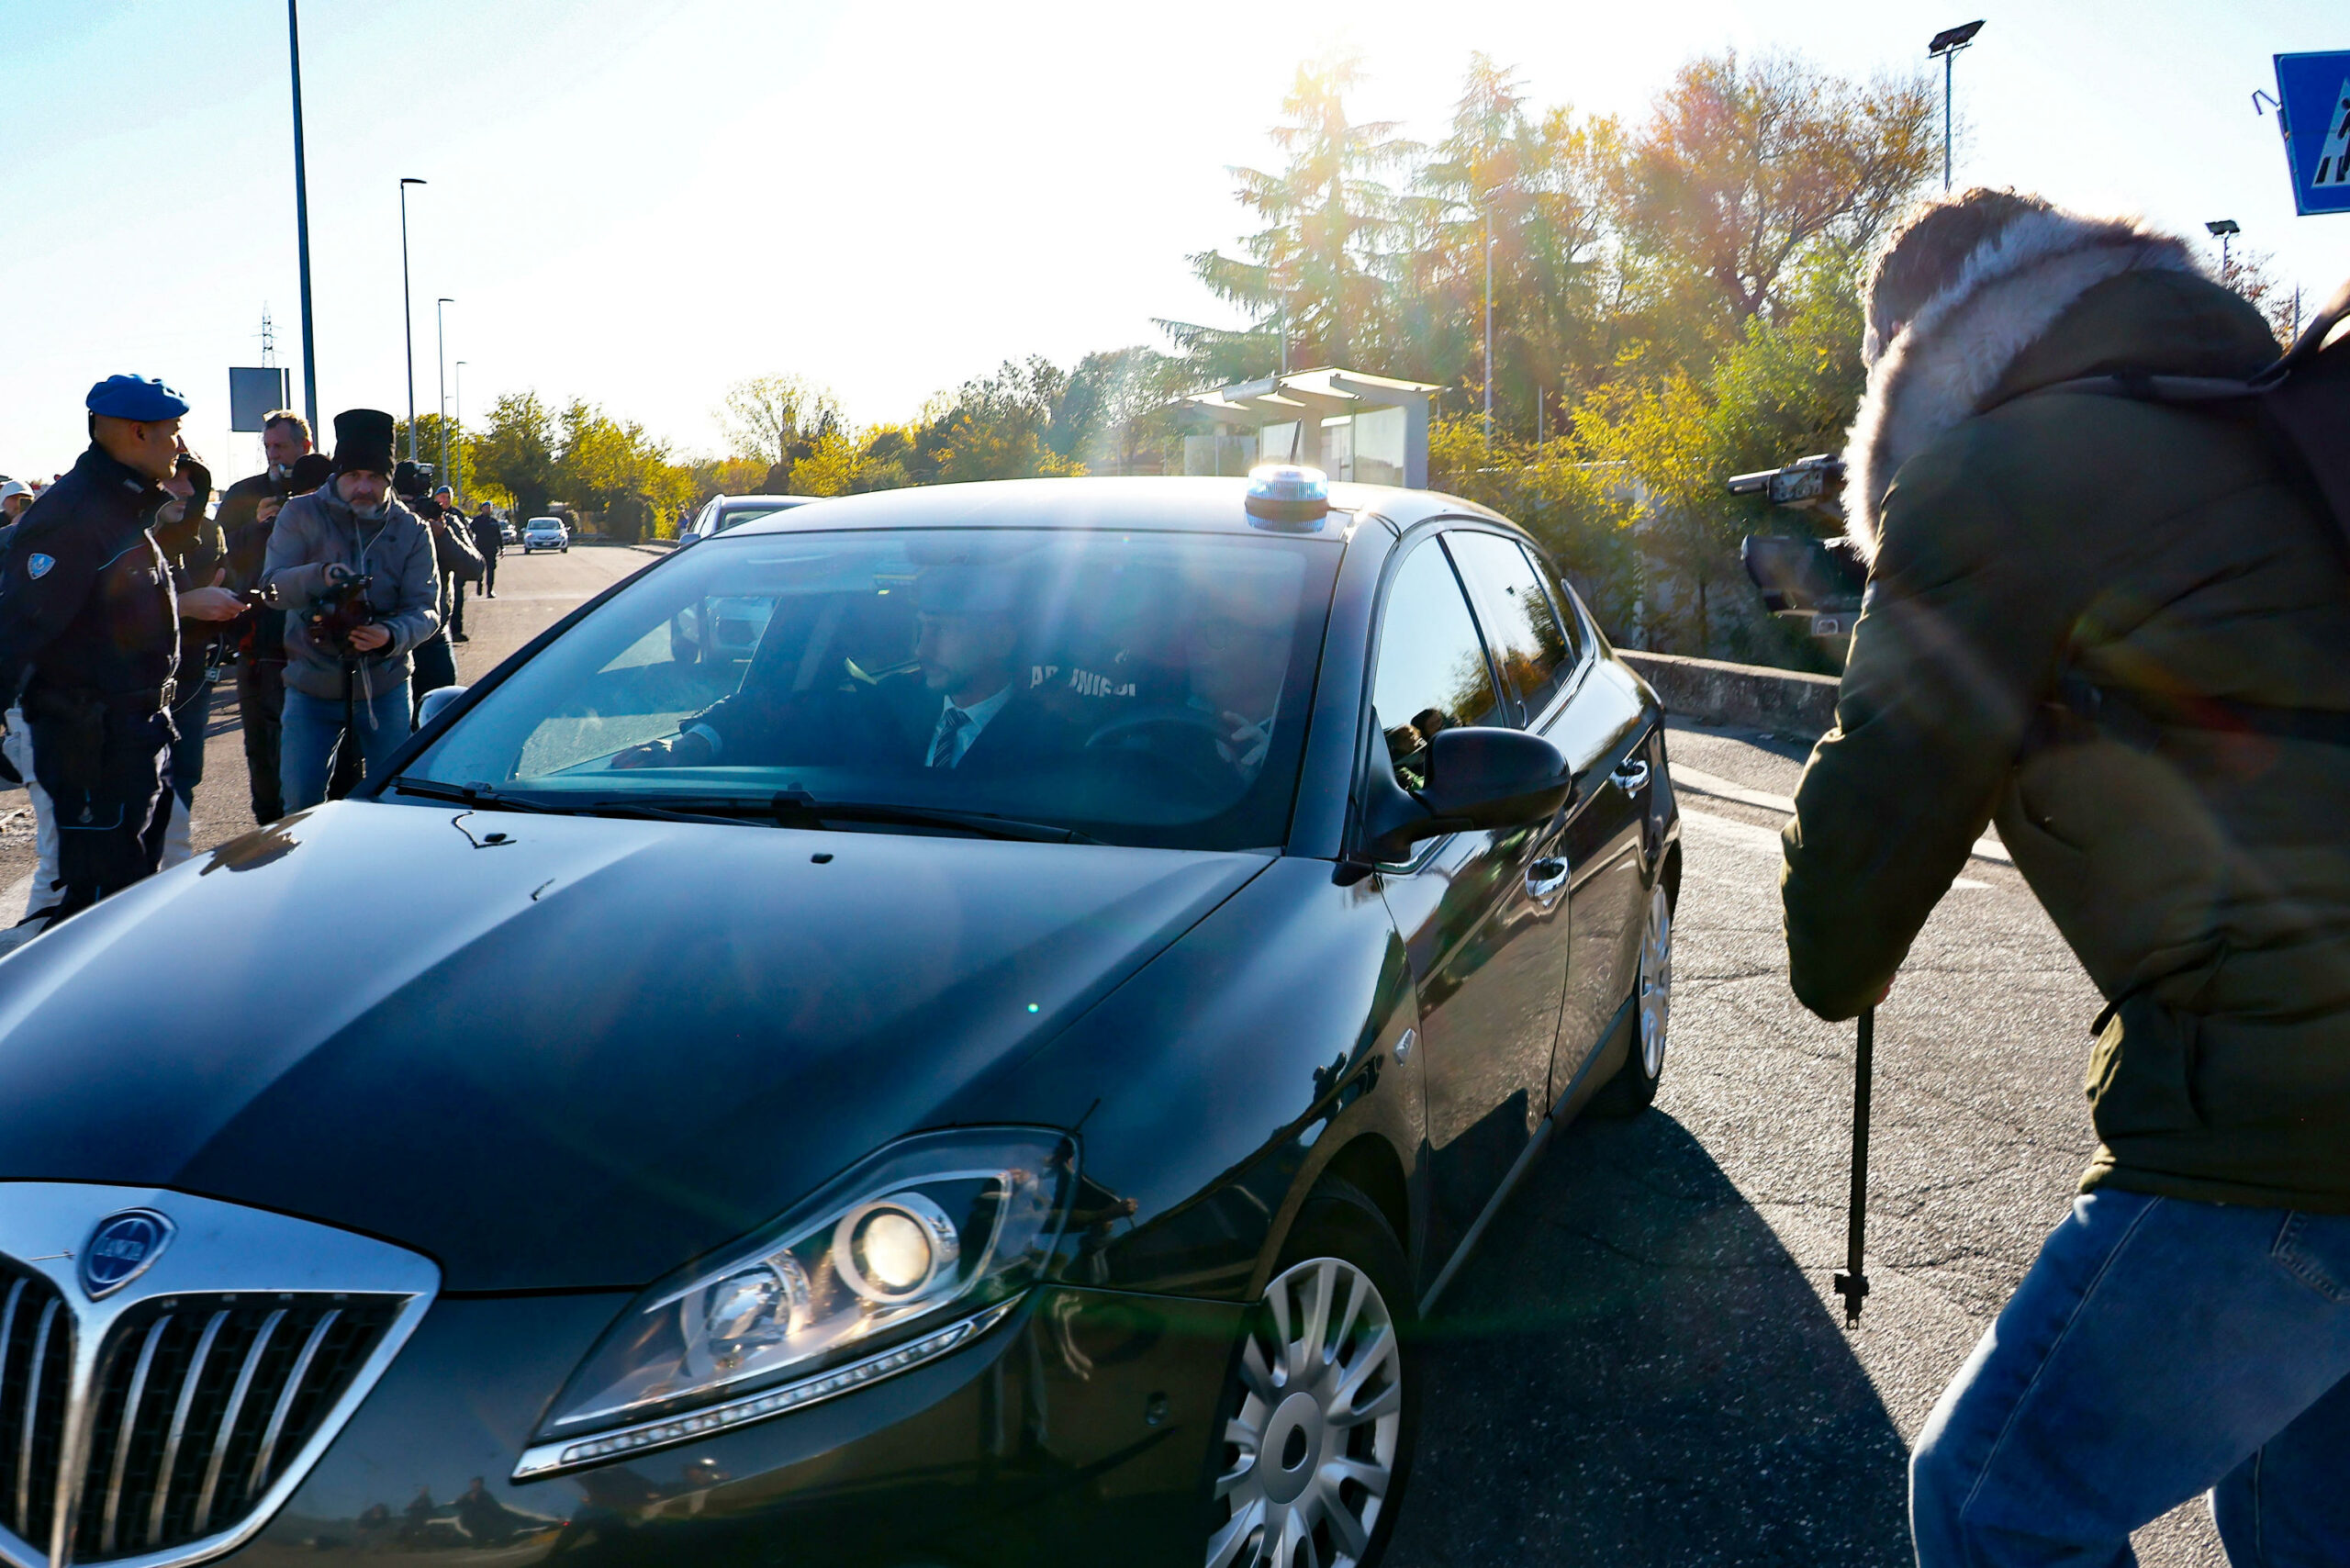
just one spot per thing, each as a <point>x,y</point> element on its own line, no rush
<point>318,530</point>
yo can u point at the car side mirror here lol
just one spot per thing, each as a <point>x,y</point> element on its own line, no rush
<point>1477,779</point>
<point>429,706</point>
<point>686,539</point>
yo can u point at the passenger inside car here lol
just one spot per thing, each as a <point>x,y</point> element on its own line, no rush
<point>961,702</point>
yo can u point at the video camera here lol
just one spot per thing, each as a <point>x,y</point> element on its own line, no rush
<point>1803,577</point>
<point>338,612</point>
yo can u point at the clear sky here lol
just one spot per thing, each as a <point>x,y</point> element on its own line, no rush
<point>641,201</point>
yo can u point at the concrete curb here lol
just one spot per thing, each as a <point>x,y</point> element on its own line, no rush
<point>1785,703</point>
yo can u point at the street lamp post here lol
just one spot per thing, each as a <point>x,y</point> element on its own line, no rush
<point>460,392</point>
<point>2223,229</point>
<point>1489,321</point>
<point>407,317</point>
<point>1947,43</point>
<point>441,362</point>
<point>302,222</point>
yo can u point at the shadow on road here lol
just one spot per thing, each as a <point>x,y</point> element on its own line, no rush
<point>1632,1370</point>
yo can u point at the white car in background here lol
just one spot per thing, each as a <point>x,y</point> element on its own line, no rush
<point>545,534</point>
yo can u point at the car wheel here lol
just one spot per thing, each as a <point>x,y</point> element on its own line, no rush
<point>1323,1403</point>
<point>1633,1089</point>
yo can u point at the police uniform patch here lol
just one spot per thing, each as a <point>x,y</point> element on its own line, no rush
<point>38,565</point>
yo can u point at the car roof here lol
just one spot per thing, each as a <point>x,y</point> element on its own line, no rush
<point>1182,505</point>
<point>726,501</point>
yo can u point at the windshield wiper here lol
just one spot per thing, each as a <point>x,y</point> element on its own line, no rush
<point>481,797</point>
<point>797,808</point>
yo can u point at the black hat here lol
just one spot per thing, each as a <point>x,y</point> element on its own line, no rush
<point>363,442</point>
<point>309,471</point>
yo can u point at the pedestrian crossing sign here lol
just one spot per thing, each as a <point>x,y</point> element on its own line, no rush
<point>2314,90</point>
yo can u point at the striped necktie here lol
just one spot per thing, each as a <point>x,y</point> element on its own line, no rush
<point>951,725</point>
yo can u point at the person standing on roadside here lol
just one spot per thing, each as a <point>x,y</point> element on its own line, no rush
<point>491,543</point>
<point>89,634</point>
<point>248,512</point>
<point>2121,631</point>
<point>191,542</point>
<point>348,529</point>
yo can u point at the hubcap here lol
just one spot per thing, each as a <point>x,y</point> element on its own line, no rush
<point>1308,1458</point>
<point>1656,982</point>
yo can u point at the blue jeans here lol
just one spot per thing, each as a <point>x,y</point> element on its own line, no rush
<point>2158,1348</point>
<point>311,724</point>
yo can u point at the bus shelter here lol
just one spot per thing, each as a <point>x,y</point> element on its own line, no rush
<point>1352,425</point>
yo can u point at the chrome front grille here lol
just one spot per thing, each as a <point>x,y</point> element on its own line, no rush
<point>35,1371</point>
<point>198,1403</point>
<point>161,1397</point>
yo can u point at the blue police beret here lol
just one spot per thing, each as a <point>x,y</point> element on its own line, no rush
<point>136,397</point>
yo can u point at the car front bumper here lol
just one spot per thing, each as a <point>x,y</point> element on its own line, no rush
<point>1075,1432</point>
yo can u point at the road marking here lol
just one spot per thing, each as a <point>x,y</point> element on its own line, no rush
<point>1763,840</point>
<point>1697,781</point>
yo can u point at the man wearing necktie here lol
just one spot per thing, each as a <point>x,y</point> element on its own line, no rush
<point>962,705</point>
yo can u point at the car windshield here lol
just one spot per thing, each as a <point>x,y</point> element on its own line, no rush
<point>1141,689</point>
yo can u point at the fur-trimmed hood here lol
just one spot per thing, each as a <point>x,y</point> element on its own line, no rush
<point>1937,372</point>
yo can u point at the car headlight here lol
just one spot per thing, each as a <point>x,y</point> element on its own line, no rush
<point>909,1254</point>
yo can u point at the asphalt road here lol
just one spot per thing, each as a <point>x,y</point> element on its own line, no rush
<point>1644,1364</point>
<point>533,592</point>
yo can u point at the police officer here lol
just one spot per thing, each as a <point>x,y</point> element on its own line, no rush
<point>89,633</point>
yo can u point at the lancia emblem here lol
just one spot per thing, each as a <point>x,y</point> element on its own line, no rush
<point>40,563</point>
<point>120,1250</point>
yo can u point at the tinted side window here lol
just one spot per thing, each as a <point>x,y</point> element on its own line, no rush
<point>1432,671</point>
<point>1532,638</point>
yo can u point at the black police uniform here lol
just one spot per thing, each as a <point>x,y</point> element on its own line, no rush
<point>89,629</point>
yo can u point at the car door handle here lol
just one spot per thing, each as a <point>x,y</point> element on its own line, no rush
<point>1633,777</point>
<point>1545,878</point>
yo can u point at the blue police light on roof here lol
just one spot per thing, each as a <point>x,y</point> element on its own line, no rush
<point>1281,495</point>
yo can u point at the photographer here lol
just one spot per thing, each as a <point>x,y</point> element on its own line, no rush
<point>2118,630</point>
<point>354,570</point>
<point>248,512</point>
<point>454,558</point>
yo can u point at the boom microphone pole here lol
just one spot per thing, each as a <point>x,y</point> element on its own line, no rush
<point>1852,1283</point>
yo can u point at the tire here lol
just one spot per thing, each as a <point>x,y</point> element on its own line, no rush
<point>1633,1089</point>
<point>1303,1423</point>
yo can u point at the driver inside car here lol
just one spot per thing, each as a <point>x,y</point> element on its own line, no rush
<point>1238,656</point>
<point>962,705</point>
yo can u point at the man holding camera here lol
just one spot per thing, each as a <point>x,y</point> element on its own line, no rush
<point>89,633</point>
<point>2120,630</point>
<point>248,512</point>
<point>353,569</point>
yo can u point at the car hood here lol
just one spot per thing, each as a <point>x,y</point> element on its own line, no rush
<point>553,1052</point>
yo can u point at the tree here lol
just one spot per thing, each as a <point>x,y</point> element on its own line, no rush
<point>996,427</point>
<point>1316,277</point>
<point>767,416</point>
<point>1746,169</point>
<point>2251,273</point>
<point>1536,190</point>
<point>611,469</point>
<point>516,451</point>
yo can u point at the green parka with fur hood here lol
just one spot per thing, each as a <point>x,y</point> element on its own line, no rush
<point>2156,558</point>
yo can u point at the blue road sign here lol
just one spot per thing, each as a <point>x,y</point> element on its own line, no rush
<point>2315,91</point>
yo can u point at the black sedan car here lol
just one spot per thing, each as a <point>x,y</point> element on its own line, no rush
<point>992,1074</point>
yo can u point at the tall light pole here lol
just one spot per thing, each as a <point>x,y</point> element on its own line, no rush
<point>1488,203</point>
<point>460,392</point>
<point>302,224</point>
<point>2223,229</point>
<point>407,317</point>
<point>441,362</point>
<point>1947,43</point>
